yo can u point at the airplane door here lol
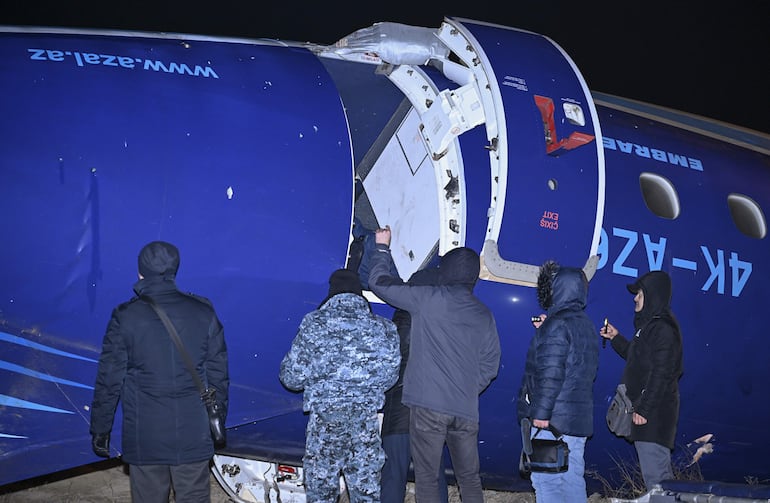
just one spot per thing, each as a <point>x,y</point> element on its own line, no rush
<point>547,164</point>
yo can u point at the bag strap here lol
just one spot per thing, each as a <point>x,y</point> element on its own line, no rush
<point>526,436</point>
<point>552,428</point>
<point>556,433</point>
<point>177,341</point>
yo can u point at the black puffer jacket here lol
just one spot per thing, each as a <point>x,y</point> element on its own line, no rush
<point>654,362</point>
<point>164,420</point>
<point>562,359</point>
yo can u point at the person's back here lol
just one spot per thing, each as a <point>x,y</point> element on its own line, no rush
<point>395,415</point>
<point>162,394</point>
<point>454,348</point>
<point>450,348</point>
<point>344,357</point>
<point>140,366</point>
<point>453,356</point>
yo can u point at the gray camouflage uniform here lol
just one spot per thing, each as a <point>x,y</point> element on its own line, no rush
<point>344,358</point>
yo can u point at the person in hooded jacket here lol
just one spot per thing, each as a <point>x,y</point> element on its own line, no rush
<point>654,364</point>
<point>559,373</point>
<point>454,354</point>
<point>395,415</point>
<point>166,439</point>
<point>343,357</point>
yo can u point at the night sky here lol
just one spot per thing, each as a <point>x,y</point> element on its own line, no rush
<point>706,58</point>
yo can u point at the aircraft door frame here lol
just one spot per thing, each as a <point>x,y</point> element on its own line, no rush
<point>459,38</point>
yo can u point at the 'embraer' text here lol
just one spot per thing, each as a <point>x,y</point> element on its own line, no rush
<point>652,153</point>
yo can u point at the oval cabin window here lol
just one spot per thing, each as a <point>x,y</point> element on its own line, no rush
<point>659,195</point>
<point>747,216</point>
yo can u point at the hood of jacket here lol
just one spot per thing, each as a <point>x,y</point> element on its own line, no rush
<point>561,287</point>
<point>656,286</point>
<point>459,267</point>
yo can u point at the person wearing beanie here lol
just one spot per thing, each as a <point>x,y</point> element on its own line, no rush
<point>343,281</point>
<point>559,372</point>
<point>654,364</point>
<point>343,359</point>
<point>158,259</point>
<point>454,354</point>
<point>165,439</point>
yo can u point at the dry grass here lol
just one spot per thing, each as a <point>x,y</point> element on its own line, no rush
<point>629,483</point>
<point>110,484</point>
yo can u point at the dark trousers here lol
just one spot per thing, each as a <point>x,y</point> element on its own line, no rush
<point>655,462</point>
<point>428,432</point>
<point>396,470</point>
<point>153,483</point>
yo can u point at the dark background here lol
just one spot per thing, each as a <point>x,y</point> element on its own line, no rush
<point>706,58</point>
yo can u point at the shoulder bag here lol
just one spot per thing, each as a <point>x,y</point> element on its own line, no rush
<point>620,413</point>
<point>215,412</point>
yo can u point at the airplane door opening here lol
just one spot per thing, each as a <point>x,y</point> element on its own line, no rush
<point>398,160</point>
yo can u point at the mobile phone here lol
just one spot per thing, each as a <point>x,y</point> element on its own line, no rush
<point>604,339</point>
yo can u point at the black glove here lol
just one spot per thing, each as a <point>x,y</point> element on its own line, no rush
<point>100,443</point>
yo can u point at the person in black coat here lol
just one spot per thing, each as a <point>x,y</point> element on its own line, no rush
<point>559,373</point>
<point>166,439</point>
<point>651,375</point>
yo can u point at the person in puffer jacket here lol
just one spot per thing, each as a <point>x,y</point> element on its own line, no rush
<point>557,387</point>
<point>344,357</point>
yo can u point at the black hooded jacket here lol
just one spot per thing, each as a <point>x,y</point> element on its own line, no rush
<point>164,419</point>
<point>562,359</point>
<point>654,362</point>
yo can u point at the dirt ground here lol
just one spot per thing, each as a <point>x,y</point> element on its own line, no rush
<point>107,482</point>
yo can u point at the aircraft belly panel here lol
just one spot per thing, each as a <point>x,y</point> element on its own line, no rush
<point>554,183</point>
<point>237,153</point>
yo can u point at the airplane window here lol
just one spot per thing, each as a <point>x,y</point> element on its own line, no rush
<point>747,216</point>
<point>659,195</point>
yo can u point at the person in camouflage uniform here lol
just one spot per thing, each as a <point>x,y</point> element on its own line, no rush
<point>344,357</point>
